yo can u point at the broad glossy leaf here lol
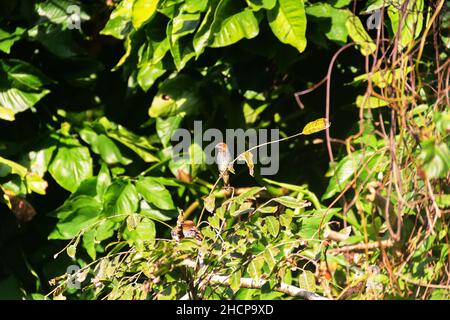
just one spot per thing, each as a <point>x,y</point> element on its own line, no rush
<point>261,4</point>
<point>71,165</point>
<point>121,198</point>
<point>239,26</point>
<point>323,11</point>
<point>75,215</point>
<point>20,86</point>
<point>288,22</point>
<point>7,39</point>
<point>143,11</point>
<point>119,23</point>
<point>155,193</point>
<point>165,128</point>
<point>203,34</point>
<point>360,36</point>
<point>176,96</point>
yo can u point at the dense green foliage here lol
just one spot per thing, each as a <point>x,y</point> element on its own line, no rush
<point>88,178</point>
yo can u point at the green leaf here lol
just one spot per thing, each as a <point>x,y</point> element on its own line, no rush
<point>58,11</point>
<point>344,171</point>
<point>7,39</point>
<point>119,23</point>
<point>155,193</point>
<point>145,230</point>
<point>261,4</point>
<point>370,102</point>
<point>270,255</point>
<point>20,86</point>
<point>121,198</point>
<point>307,281</point>
<point>292,202</point>
<point>71,165</point>
<point>153,214</point>
<point>273,225</point>
<point>411,21</point>
<point>359,35</point>
<point>143,11</point>
<point>238,26</point>
<point>255,266</point>
<point>177,96</point>
<point>165,128</point>
<point>235,280</point>
<point>75,215</point>
<point>288,23</point>
<point>337,31</point>
<point>103,146</point>
<point>203,35</point>
<point>103,181</point>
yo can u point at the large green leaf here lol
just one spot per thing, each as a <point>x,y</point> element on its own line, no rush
<point>176,96</point>
<point>7,39</point>
<point>143,11</point>
<point>76,213</point>
<point>288,22</point>
<point>360,36</point>
<point>336,31</point>
<point>119,23</point>
<point>241,25</point>
<point>103,146</point>
<point>155,193</point>
<point>121,198</point>
<point>20,87</point>
<point>71,165</point>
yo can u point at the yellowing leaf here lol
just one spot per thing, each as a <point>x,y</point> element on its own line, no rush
<point>210,203</point>
<point>247,156</point>
<point>316,126</point>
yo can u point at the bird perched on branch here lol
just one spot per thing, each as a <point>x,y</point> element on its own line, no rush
<point>185,229</point>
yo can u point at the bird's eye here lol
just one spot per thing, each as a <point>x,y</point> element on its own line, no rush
<point>165,97</point>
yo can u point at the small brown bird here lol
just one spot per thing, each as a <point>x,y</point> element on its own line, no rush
<point>224,162</point>
<point>185,229</point>
<point>191,231</point>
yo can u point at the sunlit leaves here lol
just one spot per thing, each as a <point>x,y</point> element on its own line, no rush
<point>119,23</point>
<point>7,39</point>
<point>234,28</point>
<point>292,202</point>
<point>71,165</point>
<point>142,11</point>
<point>288,22</point>
<point>360,36</point>
<point>155,193</point>
<point>307,281</point>
<point>21,87</point>
<point>210,203</point>
<point>120,199</point>
<point>315,126</point>
<point>344,171</point>
<point>370,102</point>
